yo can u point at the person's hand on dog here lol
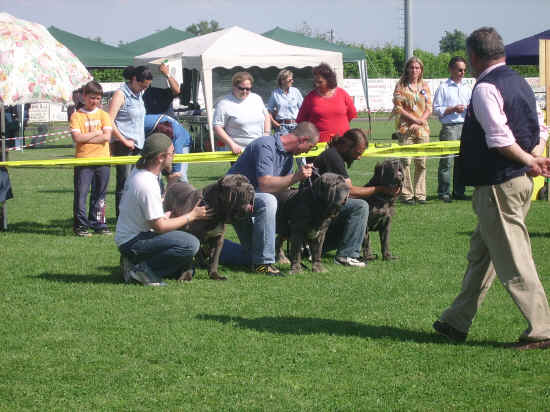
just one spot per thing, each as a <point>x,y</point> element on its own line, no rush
<point>201,212</point>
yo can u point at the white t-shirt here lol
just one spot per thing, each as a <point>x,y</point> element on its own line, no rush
<point>243,120</point>
<point>141,202</point>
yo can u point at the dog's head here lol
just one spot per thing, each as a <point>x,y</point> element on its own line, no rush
<point>232,197</point>
<point>330,193</point>
<point>388,173</point>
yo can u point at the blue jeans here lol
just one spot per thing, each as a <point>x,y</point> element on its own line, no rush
<point>96,177</point>
<point>449,132</point>
<point>257,235</point>
<point>179,148</point>
<point>122,171</point>
<point>347,230</point>
<point>234,254</point>
<point>166,254</point>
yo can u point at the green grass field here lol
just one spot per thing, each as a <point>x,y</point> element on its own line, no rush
<point>75,339</point>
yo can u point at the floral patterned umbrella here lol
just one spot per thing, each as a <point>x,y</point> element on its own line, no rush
<point>34,67</point>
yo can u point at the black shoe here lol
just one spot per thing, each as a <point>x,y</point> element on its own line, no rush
<point>268,269</point>
<point>460,197</point>
<point>421,201</point>
<point>82,232</point>
<point>103,231</point>
<point>447,330</point>
<point>446,198</point>
<point>409,202</point>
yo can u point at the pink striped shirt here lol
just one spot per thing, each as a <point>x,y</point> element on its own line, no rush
<point>488,106</point>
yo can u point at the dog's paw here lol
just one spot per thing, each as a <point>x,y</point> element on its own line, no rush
<point>318,268</point>
<point>215,276</point>
<point>390,257</point>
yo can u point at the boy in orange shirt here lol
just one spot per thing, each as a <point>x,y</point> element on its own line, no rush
<point>91,130</point>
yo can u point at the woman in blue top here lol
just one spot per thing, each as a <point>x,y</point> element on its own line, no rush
<point>284,103</point>
<point>127,112</point>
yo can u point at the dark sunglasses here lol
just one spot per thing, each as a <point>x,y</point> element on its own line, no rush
<point>242,89</point>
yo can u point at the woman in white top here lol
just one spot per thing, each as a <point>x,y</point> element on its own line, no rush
<point>241,117</point>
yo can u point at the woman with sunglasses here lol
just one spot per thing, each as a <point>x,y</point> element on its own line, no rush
<point>241,116</point>
<point>284,103</point>
<point>327,106</point>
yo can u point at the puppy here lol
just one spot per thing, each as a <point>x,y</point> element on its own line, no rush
<point>305,215</point>
<point>231,198</point>
<point>381,206</point>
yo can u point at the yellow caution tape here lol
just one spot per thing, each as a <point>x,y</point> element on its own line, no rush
<point>374,150</point>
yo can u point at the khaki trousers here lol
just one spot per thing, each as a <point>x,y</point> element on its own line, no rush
<point>500,246</point>
<point>419,190</point>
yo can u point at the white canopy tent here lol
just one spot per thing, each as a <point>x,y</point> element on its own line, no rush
<point>234,47</point>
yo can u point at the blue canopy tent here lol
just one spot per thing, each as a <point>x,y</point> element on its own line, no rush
<point>525,51</point>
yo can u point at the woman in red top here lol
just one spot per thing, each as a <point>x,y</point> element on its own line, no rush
<point>327,106</point>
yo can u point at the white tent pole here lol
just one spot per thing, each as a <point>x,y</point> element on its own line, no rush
<point>363,73</point>
<point>206,77</point>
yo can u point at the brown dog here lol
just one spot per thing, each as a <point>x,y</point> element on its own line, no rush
<point>381,206</point>
<point>231,198</point>
<point>305,215</point>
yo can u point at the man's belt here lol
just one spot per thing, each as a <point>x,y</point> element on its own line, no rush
<point>286,121</point>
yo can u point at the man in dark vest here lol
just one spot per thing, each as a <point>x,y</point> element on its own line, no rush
<point>501,141</point>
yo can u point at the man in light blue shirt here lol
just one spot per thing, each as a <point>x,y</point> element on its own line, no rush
<point>451,100</point>
<point>284,103</point>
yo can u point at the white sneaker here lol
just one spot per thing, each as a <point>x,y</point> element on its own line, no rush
<point>349,261</point>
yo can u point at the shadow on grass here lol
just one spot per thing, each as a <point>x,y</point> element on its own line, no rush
<point>311,326</point>
<point>68,278</point>
<point>54,227</point>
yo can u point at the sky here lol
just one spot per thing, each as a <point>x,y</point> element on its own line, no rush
<point>369,22</point>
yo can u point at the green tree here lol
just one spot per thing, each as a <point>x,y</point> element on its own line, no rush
<point>107,75</point>
<point>527,71</point>
<point>452,42</point>
<point>203,27</point>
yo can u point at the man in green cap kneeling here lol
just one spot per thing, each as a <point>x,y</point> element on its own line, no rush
<point>149,241</point>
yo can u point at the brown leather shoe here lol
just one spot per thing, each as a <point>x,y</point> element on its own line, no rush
<point>525,345</point>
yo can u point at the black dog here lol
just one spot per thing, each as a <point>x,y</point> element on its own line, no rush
<point>304,216</point>
<point>231,199</point>
<point>389,173</point>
